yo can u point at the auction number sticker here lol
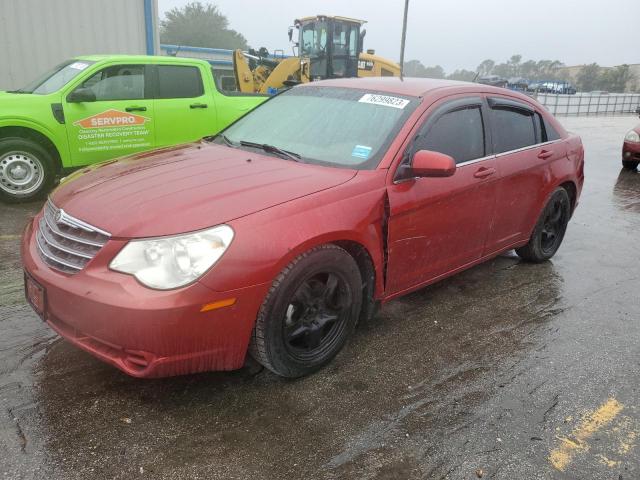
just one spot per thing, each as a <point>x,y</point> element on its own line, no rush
<point>385,100</point>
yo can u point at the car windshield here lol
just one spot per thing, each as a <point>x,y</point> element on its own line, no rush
<point>341,127</point>
<point>56,78</point>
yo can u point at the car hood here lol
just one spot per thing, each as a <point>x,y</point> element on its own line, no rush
<point>187,188</point>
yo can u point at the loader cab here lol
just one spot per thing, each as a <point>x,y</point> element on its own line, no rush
<point>332,44</point>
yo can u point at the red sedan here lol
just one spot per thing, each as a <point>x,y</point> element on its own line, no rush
<point>278,235</point>
<point>631,148</point>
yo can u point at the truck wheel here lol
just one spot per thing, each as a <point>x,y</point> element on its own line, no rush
<point>309,312</point>
<point>550,229</point>
<point>26,170</point>
<point>630,164</point>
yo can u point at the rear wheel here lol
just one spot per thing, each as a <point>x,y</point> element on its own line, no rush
<point>630,164</point>
<point>549,231</point>
<point>26,170</point>
<point>309,312</point>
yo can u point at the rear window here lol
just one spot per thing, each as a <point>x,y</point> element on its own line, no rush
<point>513,129</point>
<point>179,82</point>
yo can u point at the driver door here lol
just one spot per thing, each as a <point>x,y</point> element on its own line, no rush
<point>439,225</point>
<point>119,122</point>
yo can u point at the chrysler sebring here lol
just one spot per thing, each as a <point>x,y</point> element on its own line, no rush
<point>278,235</point>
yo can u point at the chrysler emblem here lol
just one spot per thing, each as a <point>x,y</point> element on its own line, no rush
<point>59,215</point>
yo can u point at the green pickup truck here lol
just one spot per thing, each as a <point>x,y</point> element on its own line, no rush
<point>95,108</point>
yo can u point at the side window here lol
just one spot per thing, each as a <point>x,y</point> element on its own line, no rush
<point>118,82</point>
<point>353,42</point>
<point>513,128</point>
<point>176,81</point>
<point>551,132</point>
<point>459,134</point>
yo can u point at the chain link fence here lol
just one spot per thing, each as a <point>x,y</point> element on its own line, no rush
<point>590,104</point>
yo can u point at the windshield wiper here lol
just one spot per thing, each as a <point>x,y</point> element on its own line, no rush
<point>273,149</point>
<point>226,139</point>
<point>19,90</point>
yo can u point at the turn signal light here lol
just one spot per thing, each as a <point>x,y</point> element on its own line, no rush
<point>219,304</point>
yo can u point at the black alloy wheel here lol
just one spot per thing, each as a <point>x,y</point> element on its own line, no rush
<point>549,231</point>
<point>554,226</point>
<point>317,315</point>
<point>309,312</point>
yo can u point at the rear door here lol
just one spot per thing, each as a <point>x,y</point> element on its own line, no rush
<point>119,122</point>
<point>184,110</point>
<point>524,153</point>
<point>438,225</point>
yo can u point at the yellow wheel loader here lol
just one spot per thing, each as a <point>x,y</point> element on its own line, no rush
<point>327,47</point>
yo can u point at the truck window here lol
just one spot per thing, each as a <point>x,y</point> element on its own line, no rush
<point>117,82</point>
<point>55,79</point>
<point>179,82</point>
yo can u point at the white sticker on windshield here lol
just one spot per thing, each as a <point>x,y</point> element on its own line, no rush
<point>79,65</point>
<point>385,100</point>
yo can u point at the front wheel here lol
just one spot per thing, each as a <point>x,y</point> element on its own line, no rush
<point>550,229</point>
<point>309,312</point>
<point>26,170</point>
<point>630,164</point>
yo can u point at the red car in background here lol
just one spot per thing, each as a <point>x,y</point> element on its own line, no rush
<point>279,234</point>
<point>631,148</point>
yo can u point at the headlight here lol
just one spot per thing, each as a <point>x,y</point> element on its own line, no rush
<point>171,262</point>
<point>632,136</point>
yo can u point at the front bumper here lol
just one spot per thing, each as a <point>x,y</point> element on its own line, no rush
<point>631,152</point>
<point>144,332</point>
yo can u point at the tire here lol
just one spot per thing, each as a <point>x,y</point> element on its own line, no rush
<point>549,232</point>
<point>294,333</point>
<point>26,170</point>
<point>630,164</point>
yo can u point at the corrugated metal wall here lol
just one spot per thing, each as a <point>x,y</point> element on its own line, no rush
<point>36,35</point>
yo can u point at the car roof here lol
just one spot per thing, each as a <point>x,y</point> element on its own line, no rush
<point>414,87</point>
<point>139,58</point>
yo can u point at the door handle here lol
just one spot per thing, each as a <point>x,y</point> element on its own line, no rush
<point>545,154</point>
<point>484,172</point>
<point>198,105</point>
<point>136,109</point>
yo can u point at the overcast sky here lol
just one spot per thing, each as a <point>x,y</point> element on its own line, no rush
<point>459,33</point>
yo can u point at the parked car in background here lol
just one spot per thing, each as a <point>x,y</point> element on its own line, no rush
<point>279,234</point>
<point>552,86</point>
<point>519,84</point>
<point>95,108</point>
<point>631,147</point>
<point>494,81</point>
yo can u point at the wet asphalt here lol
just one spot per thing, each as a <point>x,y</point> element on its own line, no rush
<point>506,371</point>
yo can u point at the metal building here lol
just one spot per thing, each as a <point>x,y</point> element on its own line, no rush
<point>36,35</point>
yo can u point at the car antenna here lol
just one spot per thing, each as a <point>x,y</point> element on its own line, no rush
<point>404,37</point>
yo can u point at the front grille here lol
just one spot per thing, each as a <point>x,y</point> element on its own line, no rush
<point>66,243</point>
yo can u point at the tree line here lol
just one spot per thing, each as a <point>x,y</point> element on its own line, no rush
<point>589,77</point>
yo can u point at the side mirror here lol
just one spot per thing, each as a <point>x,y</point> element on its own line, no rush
<point>290,34</point>
<point>80,95</point>
<point>432,164</point>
